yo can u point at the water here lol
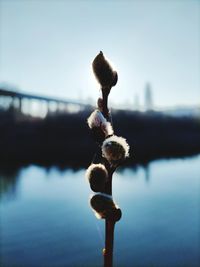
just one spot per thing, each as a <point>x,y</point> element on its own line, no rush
<point>46,220</point>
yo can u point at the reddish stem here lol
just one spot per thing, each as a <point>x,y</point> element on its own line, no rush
<point>105,93</point>
<point>108,252</point>
<point>109,224</point>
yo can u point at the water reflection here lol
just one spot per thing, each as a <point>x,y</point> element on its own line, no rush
<point>8,183</point>
<point>43,211</point>
<point>147,172</point>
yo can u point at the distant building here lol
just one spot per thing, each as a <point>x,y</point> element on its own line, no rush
<point>148,99</point>
<point>136,104</point>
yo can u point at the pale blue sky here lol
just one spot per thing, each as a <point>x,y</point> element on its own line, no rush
<point>47,46</point>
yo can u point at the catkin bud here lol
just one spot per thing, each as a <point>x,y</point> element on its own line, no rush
<point>103,72</point>
<point>97,121</point>
<point>115,149</point>
<point>97,176</point>
<point>104,207</point>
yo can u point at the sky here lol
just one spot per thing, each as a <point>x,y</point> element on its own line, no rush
<point>47,46</point>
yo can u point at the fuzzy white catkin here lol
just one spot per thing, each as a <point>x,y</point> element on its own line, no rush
<point>115,148</point>
<point>96,119</point>
<point>94,169</point>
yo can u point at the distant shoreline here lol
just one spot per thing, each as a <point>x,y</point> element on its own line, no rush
<point>64,139</point>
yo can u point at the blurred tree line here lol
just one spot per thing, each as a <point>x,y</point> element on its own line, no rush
<point>64,139</point>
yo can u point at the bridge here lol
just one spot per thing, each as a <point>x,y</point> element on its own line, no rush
<point>14,100</point>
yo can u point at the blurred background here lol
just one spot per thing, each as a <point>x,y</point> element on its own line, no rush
<point>47,92</point>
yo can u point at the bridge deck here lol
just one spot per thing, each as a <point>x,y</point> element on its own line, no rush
<point>20,95</point>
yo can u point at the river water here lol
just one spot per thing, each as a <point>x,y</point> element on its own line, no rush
<point>46,220</point>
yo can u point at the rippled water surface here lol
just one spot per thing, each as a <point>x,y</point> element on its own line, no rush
<point>46,219</point>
